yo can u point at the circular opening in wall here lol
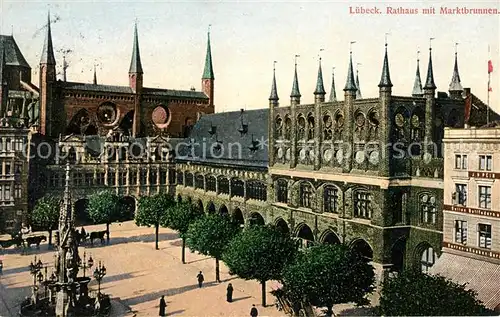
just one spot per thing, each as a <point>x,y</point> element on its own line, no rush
<point>160,115</point>
<point>106,113</point>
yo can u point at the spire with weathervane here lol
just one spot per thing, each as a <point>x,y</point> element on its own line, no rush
<point>319,93</point>
<point>455,88</point>
<point>385,79</point>
<point>135,72</point>
<point>429,82</point>
<point>295,94</point>
<point>273,97</point>
<point>48,51</point>
<point>47,79</point>
<point>350,84</point>
<point>417,85</point>
<point>208,77</point>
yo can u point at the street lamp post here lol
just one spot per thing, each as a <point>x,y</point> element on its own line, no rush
<point>99,273</point>
<point>35,268</point>
<point>86,264</point>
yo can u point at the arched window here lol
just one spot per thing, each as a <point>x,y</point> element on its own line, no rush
<point>363,205</point>
<point>288,128</point>
<point>199,182</point>
<point>278,127</point>
<point>237,188</point>
<point>211,183</point>
<point>428,259</point>
<point>339,125</point>
<point>223,185</point>
<point>180,178</point>
<point>282,191</point>
<point>328,126</point>
<point>306,195</point>
<point>331,199</point>
<point>256,190</point>
<point>310,127</point>
<point>301,127</point>
<point>189,180</point>
<point>428,209</point>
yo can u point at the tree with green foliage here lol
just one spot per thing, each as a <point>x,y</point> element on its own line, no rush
<point>105,207</point>
<point>413,293</point>
<point>178,218</point>
<point>210,235</point>
<point>46,214</point>
<point>260,253</point>
<point>152,211</point>
<point>325,275</point>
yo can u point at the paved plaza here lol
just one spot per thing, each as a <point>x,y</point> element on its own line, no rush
<point>137,276</point>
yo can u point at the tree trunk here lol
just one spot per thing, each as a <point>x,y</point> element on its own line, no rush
<point>107,230</point>
<point>183,251</point>
<point>329,311</point>
<point>217,273</point>
<point>50,237</point>
<point>263,284</point>
<point>157,228</point>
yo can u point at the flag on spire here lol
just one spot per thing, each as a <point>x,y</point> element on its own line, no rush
<point>490,67</point>
<point>490,70</point>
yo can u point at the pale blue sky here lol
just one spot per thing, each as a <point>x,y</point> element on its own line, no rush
<point>248,36</point>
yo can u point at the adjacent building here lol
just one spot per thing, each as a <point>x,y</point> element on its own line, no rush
<point>471,213</point>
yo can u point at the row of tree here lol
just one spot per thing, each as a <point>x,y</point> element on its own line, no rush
<point>103,207</point>
<point>322,275</point>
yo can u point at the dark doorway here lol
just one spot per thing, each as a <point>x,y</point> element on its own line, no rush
<point>282,226</point>
<point>256,219</point>
<point>211,208</point>
<point>398,254</point>
<point>363,248</point>
<point>331,238</point>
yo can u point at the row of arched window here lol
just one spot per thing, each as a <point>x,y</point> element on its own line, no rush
<point>254,189</point>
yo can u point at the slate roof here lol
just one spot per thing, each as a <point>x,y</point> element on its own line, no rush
<point>174,93</point>
<point>128,90</point>
<point>227,131</point>
<point>95,88</point>
<point>13,55</point>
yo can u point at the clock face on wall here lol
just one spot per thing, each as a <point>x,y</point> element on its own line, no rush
<point>106,113</point>
<point>415,121</point>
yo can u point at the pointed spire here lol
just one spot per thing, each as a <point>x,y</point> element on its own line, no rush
<point>333,93</point>
<point>358,92</point>
<point>135,63</point>
<point>385,79</point>
<point>274,90</point>
<point>48,50</point>
<point>455,84</point>
<point>3,80</point>
<point>320,88</point>
<point>208,72</point>
<point>429,82</point>
<point>295,86</point>
<point>95,76</point>
<point>350,84</point>
<point>417,85</point>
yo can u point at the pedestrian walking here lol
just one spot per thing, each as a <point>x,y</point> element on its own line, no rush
<point>1,266</point>
<point>254,312</point>
<point>200,279</point>
<point>163,306</point>
<point>229,294</point>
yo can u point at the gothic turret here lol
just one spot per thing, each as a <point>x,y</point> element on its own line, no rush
<point>417,85</point>
<point>319,93</point>
<point>358,92</point>
<point>208,78</point>
<point>135,73</point>
<point>455,88</point>
<point>273,97</point>
<point>47,80</point>
<point>429,82</point>
<point>385,79</point>
<point>333,93</point>
<point>430,104</point>
<point>350,84</point>
<point>385,121</point>
<point>295,95</point>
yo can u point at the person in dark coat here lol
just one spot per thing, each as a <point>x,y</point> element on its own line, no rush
<point>200,279</point>
<point>254,312</point>
<point>163,306</point>
<point>229,294</point>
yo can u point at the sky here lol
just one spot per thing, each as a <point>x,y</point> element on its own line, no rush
<point>247,36</point>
